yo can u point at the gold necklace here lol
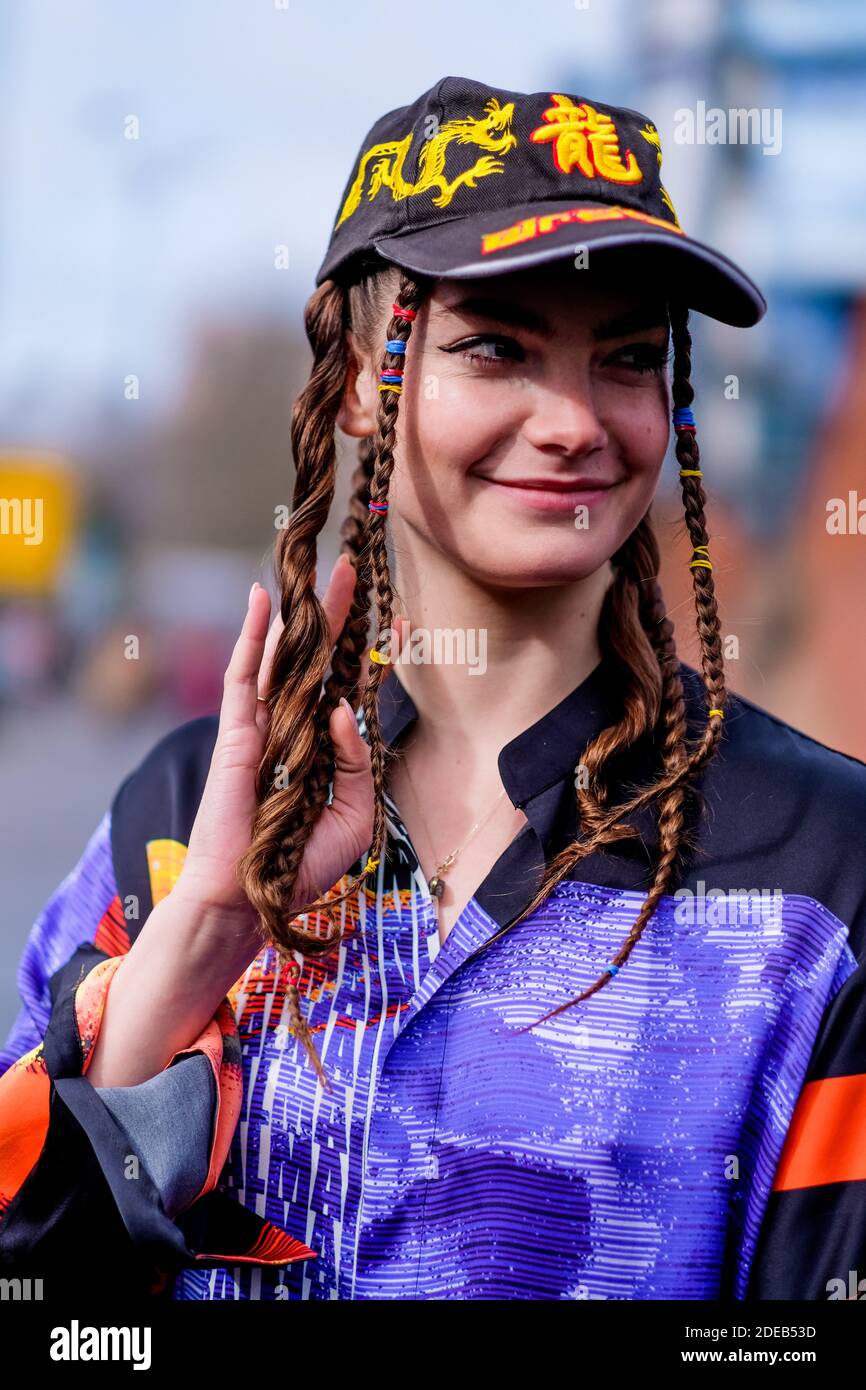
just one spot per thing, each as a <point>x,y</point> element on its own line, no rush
<point>436,883</point>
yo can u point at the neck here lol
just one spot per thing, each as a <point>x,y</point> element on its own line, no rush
<point>506,656</point>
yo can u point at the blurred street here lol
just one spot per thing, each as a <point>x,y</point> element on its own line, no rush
<point>61,768</point>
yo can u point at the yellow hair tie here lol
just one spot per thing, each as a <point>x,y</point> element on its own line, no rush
<point>378,657</point>
<point>719,712</point>
<point>691,473</point>
<point>384,386</point>
<point>704,564</point>
<point>369,866</point>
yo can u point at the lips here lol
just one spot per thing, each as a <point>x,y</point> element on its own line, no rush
<point>552,494</point>
<point>554,484</point>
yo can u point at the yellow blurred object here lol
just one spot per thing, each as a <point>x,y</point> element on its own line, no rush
<point>164,862</point>
<point>38,506</point>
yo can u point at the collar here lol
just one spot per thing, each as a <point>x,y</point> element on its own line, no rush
<point>537,770</point>
<point>544,755</point>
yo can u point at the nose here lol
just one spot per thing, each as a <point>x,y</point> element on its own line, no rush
<point>562,419</point>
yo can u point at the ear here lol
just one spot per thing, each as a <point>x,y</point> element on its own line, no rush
<point>358,409</point>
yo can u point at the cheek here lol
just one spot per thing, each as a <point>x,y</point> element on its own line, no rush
<point>638,428</point>
<point>640,425</point>
<point>446,425</point>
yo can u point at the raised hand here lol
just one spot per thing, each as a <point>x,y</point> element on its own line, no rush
<point>222,828</point>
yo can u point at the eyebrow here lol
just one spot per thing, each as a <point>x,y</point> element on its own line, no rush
<point>512,315</point>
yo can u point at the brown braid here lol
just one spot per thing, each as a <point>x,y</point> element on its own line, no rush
<point>289,778</point>
<point>297,746</point>
<point>411,296</point>
<point>344,681</point>
<point>346,664</point>
<point>624,640</point>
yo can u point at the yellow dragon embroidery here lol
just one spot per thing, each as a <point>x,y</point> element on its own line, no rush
<point>652,137</point>
<point>491,132</point>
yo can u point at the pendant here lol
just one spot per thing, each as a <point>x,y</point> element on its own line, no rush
<point>436,886</point>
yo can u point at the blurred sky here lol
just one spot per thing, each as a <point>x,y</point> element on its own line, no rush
<point>251,113</point>
<point>250,116</point>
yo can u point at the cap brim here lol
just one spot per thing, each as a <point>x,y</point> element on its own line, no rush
<point>692,272</point>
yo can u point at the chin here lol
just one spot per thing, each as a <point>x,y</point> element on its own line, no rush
<point>552,564</point>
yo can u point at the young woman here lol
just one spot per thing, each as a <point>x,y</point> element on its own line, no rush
<point>540,975</point>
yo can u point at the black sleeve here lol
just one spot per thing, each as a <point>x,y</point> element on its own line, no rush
<point>812,1241</point>
<point>115,1171</point>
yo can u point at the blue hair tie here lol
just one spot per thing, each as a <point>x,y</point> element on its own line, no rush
<point>611,970</point>
<point>683,416</point>
<point>395,345</point>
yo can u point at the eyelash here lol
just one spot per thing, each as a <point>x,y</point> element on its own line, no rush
<point>656,358</point>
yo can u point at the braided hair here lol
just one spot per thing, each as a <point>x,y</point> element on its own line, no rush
<point>634,632</point>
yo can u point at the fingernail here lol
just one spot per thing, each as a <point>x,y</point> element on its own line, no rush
<point>350,713</point>
<point>252,591</point>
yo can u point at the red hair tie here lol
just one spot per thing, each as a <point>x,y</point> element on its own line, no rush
<point>403,313</point>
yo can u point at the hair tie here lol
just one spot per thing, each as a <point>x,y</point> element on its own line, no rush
<point>392,374</point>
<point>401,313</point>
<point>395,345</point>
<point>379,659</point>
<point>691,473</point>
<point>683,418</point>
<point>391,386</point>
<point>719,712</point>
<point>700,562</point>
<point>611,970</point>
<point>370,865</point>
<point>380,508</point>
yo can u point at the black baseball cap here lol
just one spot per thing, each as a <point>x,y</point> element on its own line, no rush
<point>471,180</point>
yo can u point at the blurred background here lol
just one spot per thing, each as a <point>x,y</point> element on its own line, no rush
<point>170,176</point>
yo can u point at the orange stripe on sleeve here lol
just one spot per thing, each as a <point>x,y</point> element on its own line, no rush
<point>827,1138</point>
<point>25,1095</point>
